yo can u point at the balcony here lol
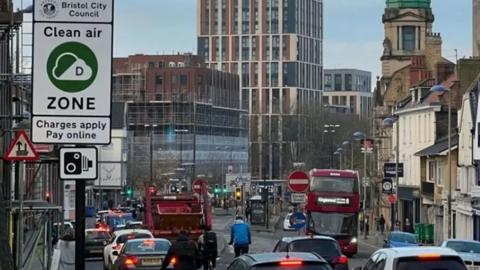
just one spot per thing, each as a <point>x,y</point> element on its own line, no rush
<point>428,188</point>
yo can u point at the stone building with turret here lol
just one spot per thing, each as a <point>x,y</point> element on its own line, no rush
<point>411,62</point>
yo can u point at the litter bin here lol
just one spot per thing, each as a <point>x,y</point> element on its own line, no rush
<point>428,233</point>
<point>90,211</point>
<point>419,232</point>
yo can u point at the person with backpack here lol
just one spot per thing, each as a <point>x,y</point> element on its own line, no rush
<point>240,236</point>
<point>207,244</point>
<point>184,251</point>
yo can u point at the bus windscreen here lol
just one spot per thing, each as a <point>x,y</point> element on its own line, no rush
<point>333,184</point>
<point>333,224</point>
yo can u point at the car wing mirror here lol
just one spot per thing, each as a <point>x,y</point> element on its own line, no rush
<point>115,253</point>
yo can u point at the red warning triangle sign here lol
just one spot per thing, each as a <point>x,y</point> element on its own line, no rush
<point>21,149</point>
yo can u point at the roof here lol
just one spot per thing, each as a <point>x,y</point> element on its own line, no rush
<point>289,239</point>
<point>273,257</point>
<point>408,3</point>
<point>416,251</point>
<point>462,240</point>
<point>439,147</point>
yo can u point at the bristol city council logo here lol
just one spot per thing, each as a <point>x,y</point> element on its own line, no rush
<point>48,8</point>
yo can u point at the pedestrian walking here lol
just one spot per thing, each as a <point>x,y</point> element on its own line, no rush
<point>207,244</point>
<point>184,251</point>
<point>66,245</point>
<point>240,236</point>
<point>248,213</point>
<point>381,222</point>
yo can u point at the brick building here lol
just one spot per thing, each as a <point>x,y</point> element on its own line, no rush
<point>180,116</point>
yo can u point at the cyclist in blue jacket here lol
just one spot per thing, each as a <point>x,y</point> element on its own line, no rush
<point>240,236</point>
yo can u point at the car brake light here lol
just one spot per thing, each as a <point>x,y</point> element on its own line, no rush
<point>429,257</point>
<point>173,261</point>
<point>130,261</point>
<point>291,263</point>
<point>342,259</point>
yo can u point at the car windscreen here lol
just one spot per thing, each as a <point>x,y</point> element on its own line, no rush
<point>333,224</point>
<point>326,248</point>
<point>123,238</point>
<point>403,237</point>
<point>333,184</point>
<point>292,267</point>
<point>440,264</point>
<point>147,246</point>
<point>467,247</point>
<point>95,235</point>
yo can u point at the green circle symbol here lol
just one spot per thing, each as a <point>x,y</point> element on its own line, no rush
<point>72,67</point>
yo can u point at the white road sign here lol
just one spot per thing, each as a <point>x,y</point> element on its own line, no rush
<point>72,69</point>
<point>71,130</point>
<point>79,163</point>
<point>72,74</point>
<point>73,11</point>
<point>298,198</point>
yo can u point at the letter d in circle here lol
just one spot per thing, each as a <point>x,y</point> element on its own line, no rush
<point>79,71</point>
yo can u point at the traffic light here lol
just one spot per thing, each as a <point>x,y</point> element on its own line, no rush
<point>225,190</point>
<point>216,189</point>
<point>129,191</point>
<point>151,190</point>
<point>238,194</point>
<point>47,196</point>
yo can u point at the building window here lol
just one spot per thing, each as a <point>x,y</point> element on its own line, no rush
<point>328,82</point>
<point>159,79</point>
<point>183,79</point>
<point>338,82</point>
<point>348,82</point>
<point>408,38</point>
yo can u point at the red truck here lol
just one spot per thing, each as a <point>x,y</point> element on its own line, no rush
<point>168,214</point>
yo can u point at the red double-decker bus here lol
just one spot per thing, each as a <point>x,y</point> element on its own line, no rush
<point>333,204</point>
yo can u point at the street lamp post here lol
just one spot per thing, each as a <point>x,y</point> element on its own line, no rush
<point>394,206</point>
<point>152,127</point>
<point>441,88</point>
<point>358,136</point>
<point>331,128</point>
<point>345,143</point>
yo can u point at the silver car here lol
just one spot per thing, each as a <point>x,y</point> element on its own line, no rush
<point>468,250</point>
<point>414,258</point>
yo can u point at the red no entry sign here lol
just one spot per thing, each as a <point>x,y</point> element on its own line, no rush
<point>298,181</point>
<point>392,198</point>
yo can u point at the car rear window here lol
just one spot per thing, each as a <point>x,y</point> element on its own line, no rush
<point>325,248</point>
<point>123,238</point>
<point>147,246</point>
<point>440,264</point>
<point>97,235</point>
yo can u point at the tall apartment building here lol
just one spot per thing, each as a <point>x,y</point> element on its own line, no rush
<point>476,27</point>
<point>348,91</point>
<point>276,48</point>
<point>180,115</point>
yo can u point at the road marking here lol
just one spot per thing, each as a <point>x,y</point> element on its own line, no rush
<point>368,245</point>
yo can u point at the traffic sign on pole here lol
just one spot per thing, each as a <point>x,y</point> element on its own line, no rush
<point>298,181</point>
<point>72,69</point>
<point>21,149</point>
<point>392,198</point>
<point>298,220</point>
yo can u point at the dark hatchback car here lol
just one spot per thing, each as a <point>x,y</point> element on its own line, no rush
<point>279,260</point>
<point>142,254</point>
<point>324,246</point>
<point>95,240</point>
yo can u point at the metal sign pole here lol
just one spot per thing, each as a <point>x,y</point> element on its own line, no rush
<point>79,224</point>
